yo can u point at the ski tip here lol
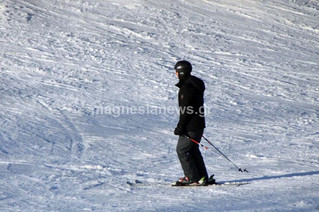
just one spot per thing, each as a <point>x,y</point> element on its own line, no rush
<point>232,183</point>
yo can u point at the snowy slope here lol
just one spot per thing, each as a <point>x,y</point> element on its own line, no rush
<point>88,102</point>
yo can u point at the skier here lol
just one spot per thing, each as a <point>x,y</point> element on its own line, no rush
<point>191,125</point>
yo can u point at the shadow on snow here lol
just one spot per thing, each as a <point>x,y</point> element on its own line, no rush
<point>277,177</point>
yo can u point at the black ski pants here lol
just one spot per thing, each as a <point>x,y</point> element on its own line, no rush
<point>190,156</point>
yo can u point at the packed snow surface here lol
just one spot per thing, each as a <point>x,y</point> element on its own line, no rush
<point>88,103</point>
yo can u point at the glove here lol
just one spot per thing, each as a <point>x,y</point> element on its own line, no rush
<point>178,131</point>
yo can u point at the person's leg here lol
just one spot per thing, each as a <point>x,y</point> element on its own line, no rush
<point>197,156</point>
<point>184,150</point>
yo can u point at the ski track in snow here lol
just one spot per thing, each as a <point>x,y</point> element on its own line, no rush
<point>65,63</point>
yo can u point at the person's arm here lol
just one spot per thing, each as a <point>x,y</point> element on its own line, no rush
<point>186,109</point>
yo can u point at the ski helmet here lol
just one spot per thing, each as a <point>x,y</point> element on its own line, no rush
<point>183,68</point>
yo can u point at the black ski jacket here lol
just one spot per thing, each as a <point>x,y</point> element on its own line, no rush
<point>191,104</point>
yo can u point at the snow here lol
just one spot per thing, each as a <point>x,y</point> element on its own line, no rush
<point>88,102</point>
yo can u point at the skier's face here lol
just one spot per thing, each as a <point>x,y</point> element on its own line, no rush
<point>176,73</point>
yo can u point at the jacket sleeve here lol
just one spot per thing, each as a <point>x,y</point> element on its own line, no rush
<point>185,107</point>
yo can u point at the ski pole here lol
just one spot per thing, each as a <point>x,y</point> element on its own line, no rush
<point>222,154</point>
<point>196,142</point>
